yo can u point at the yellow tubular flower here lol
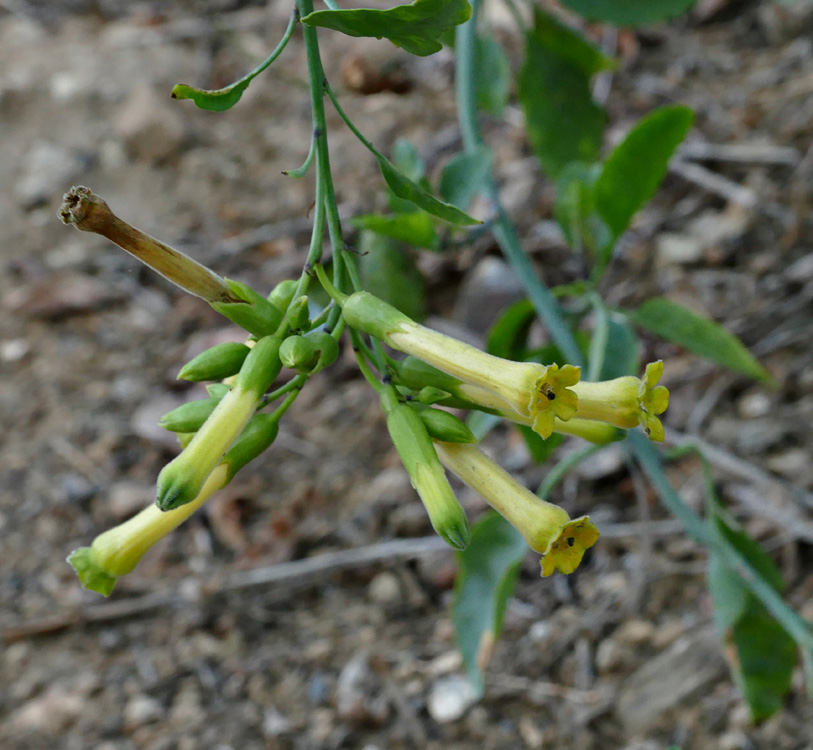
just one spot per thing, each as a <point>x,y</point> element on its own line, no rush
<point>534,391</point>
<point>546,527</point>
<point>626,402</point>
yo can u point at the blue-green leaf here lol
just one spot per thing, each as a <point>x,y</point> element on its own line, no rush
<point>629,12</point>
<point>764,654</point>
<point>416,228</point>
<point>492,75</point>
<point>486,579</point>
<point>637,166</point>
<point>564,123</point>
<point>698,334</point>
<point>416,27</point>
<point>508,335</point>
<point>389,272</point>
<point>465,176</point>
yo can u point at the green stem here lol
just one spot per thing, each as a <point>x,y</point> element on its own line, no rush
<point>562,467</point>
<point>302,170</point>
<point>797,627</point>
<point>545,304</point>
<point>291,385</point>
<point>598,342</point>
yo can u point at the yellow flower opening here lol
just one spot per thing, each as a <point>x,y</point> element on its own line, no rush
<point>546,527</point>
<point>626,402</point>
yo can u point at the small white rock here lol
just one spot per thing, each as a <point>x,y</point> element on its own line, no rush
<point>450,698</point>
<point>385,588</point>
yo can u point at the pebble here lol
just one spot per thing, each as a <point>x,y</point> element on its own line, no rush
<point>274,723</point>
<point>450,698</point>
<point>385,588</point>
<point>677,249</point>
<point>359,698</point>
<point>490,287</point>
<point>140,710</point>
<point>128,497</point>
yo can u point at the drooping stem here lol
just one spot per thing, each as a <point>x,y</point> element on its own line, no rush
<point>545,304</point>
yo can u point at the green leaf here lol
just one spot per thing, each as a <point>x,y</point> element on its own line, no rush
<point>628,12</point>
<point>564,123</point>
<point>219,100</point>
<point>408,190</point>
<point>764,654</point>
<point>540,448</point>
<point>509,333</point>
<point>623,354</point>
<point>698,334</point>
<point>637,166</point>
<point>390,273</point>
<point>408,161</point>
<point>416,228</point>
<point>215,100</point>
<point>486,579</point>
<point>466,175</point>
<point>575,210</point>
<point>492,75</point>
<point>416,27</point>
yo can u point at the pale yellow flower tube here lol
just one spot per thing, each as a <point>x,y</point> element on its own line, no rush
<point>546,527</point>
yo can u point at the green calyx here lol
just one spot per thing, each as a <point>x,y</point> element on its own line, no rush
<point>372,315</point>
<point>85,562</point>
<point>299,314</point>
<point>255,314</point>
<point>218,362</point>
<point>417,452</point>
<point>310,353</point>
<point>257,436</point>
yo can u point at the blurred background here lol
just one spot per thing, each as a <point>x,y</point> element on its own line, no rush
<point>622,654</point>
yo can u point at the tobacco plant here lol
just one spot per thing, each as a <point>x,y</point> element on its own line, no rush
<point>587,385</point>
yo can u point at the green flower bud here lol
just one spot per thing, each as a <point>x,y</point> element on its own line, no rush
<point>441,425</point>
<point>282,294</point>
<point>430,395</point>
<point>256,314</point>
<point>299,314</point>
<point>426,474</point>
<point>180,481</point>
<point>327,348</point>
<point>189,417</point>
<point>218,362</point>
<point>298,353</point>
<point>256,438</point>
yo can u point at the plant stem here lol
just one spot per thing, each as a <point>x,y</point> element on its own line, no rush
<point>545,304</point>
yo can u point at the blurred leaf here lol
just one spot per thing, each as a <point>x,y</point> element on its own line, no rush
<point>492,75</point>
<point>408,190</point>
<point>564,123</point>
<point>465,176</point>
<point>486,579</point>
<point>637,165</point>
<point>390,273</point>
<point>575,209</point>
<point>215,100</point>
<point>698,334</point>
<point>540,448</point>
<point>416,27</point>
<point>507,336</point>
<point>219,100</point>
<point>408,161</point>
<point>623,354</point>
<point>628,12</point>
<point>416,228</point>
<point>761,653</point>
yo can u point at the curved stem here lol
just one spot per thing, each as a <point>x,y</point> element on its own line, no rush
<point>545,304</point>
<point>302,170</point>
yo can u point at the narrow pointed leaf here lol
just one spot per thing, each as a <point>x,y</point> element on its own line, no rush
<point>486,578</point>
<point>698,334</point>
<point>637,166</point>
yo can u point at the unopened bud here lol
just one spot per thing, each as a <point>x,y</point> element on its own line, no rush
<point>218,362</point>
<point>441,425</point>
<point>189,417</point>
<point>299,314</point>
<point>282,294</point>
